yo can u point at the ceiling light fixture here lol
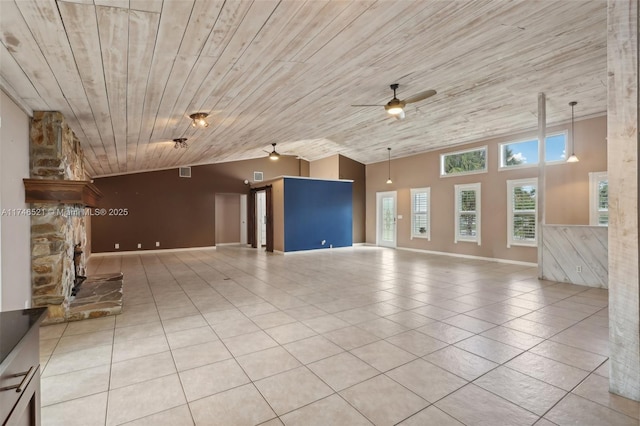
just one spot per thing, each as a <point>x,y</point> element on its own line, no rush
<point>199,119</point>
<point>573,158</point>
<point>180,143</point>
<point>395,106</point>
<point>273,155</point>
<point>389,179</point>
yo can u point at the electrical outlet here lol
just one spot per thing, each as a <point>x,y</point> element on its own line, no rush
<point>157,243</point>
<point>578,268</point>
<point>117,245</point>
<point>399,216</point>
<point>139,245</point>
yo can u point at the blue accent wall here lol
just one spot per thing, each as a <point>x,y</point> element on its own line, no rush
<point>316,210</point>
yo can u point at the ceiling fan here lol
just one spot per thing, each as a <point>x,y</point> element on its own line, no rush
<point>395,106</point>
<point>273,155</point>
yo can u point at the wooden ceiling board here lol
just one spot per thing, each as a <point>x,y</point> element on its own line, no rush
<point>128,73</point>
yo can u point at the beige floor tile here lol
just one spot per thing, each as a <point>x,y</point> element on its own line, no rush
<point>67,362</point>
<point>213,378</point>
<point>596,388</point>
<point>140,331</point>
<point>383,355</point>
<point>474,406</point>
<point>312,349</point>
<point>235,327</point>
<point>193,336</point>
<point>343,370</point>
<point>575,410</point>
<point>141,369</point>
<point>332,410</point>
<point>257,309</point>
<point>603,370</point>
<point>444,332</point>
<point>520,389</point>
<point>383,401</point>
<point>129,349</point>
<point>272,422</point>
<point>247,343</point>
<point>415,342</point>
<point>427,380</point>
<point>258,365</point>
<point>553,372</point>
<point>325,323</point>
<point>83,341</point>
<point>241,406</point>
<point>178,312</point>
<point>68,386</point>
<point>356,316</point>
<point>512,337</point>
<point>199,355</point>
<point>88,410</point>
<point>137,317</point>
<point>91,325</point>
<point>292,389</point>
<point>473,325</point>
<point>48,345</point>
<point>409,319</point>
<point>382,327</point>
<point>272,319</point>
<point>460,362</point>
<point>172,417</point>
<point>184,323</point>
<point>143,399</point>
<point>53,331</point>
<point>431,416</point>
<point>434,312</point>
<point>351,337</point>
<point>288,333</point>
<point>218,317</point>
<point>489,349</point>
<point>568,355</point>
<point>534,328</point>
<point>382,309</point>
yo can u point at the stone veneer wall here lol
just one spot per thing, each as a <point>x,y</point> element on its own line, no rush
<point>55,153</point>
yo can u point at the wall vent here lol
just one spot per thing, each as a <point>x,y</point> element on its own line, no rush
<point>185,172</point>
<point>258,176</point>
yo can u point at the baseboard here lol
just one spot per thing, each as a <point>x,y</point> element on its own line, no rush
<point>155,251</point>
<point>469,256</point>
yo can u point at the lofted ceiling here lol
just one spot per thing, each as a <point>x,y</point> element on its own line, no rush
<point>128,73</point>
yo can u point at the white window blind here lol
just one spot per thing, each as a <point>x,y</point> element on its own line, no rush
<point>522,212</point>
<point>467,210</point>
<point>420,213</point>
<point>598,199</point>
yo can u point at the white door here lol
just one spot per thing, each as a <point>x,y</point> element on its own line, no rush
<point>243,218</point>
<point>261,218</point>
<point>386,219</point>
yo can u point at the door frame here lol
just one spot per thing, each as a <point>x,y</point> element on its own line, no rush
<point>379,197</point>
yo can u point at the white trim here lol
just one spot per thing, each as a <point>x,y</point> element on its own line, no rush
<point>175,250</point>
<point>414,191</point>
<point>484,148</point>
<point>594,179</point>
<point>230,244</point>
<point>466,187</point>
<point>469,256</point>
<point>511,184</point>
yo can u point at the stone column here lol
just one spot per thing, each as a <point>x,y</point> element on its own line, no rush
<point>622,151</point>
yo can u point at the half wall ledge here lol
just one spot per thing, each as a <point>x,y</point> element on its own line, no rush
<point>61,191</point>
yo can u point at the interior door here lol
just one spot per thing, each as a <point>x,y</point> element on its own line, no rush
<point>386,219</point>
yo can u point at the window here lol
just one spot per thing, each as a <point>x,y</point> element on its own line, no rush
<point>464,162</point>
<point>467,210</point>
<point>420,213</point>
<point>525,153</point>
<point>598,199</point>
<point>522,212</point>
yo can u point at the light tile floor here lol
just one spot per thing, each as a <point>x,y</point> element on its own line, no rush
<point>366,335</point>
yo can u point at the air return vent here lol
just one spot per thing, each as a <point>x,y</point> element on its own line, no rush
<point>185,172</point>
<point>258,176</point>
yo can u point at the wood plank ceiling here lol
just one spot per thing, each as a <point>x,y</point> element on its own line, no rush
<point>127,73</point>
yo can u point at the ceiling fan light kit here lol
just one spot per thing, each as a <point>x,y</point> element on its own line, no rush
<point>180,143</point>
<point>199,119</point>
<point>395,107</point>
<point>273,155</point>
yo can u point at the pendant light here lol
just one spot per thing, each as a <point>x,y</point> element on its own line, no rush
<point>180,143</point>
<point>573,158</point>
<point>389,179</point>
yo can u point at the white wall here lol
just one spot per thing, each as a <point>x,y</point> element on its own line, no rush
<point>15,231</point>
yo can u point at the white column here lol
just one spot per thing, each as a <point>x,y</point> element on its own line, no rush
<point>622,151</point>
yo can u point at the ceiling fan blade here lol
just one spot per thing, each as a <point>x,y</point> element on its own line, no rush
<point>420,96</point>
<point>399,116</point>
<point>367,105</point>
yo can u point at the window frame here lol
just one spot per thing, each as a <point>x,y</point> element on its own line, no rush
<point>502,167</point>
<point>594,211</point>
<point>427,234</point>
<point>511,185</point>
<point>464,151</point>
<point>457,212</point>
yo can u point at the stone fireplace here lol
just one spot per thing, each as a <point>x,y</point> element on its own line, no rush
<point>61,200</point>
